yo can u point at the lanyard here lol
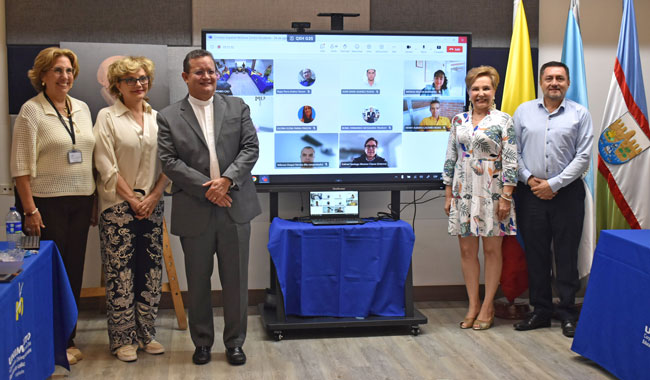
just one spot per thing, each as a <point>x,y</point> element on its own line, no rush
<point>71,129</point>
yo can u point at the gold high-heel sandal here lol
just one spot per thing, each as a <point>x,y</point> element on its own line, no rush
<point>483,325</point>
<point>467,323</point>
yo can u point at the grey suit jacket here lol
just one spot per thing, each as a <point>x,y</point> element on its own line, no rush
<point>186,161</point>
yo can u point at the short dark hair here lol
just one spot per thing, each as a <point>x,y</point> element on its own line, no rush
<point>371,139</point>
<point>554,64</point>
<point>197,53</point>
<point>434,101</point>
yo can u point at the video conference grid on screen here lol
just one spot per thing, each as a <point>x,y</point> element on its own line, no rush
<point>327,203</point>
<point>345,104</point>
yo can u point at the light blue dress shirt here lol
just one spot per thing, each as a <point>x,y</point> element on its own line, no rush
<point>555,146</point>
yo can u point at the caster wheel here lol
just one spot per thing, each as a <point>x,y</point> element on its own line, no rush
<point>278,335</point>
<point>415,331</point>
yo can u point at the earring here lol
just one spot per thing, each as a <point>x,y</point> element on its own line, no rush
<point>493,106</point>
<point>42,84</point>
<point>470,108</point>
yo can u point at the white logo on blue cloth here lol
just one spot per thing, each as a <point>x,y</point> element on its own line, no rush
<point>646,336</point>
<point>17,358</point>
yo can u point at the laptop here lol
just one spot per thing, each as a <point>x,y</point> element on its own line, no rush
<point>334,207</point>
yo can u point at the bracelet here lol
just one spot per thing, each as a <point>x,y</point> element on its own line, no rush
<point>31,213</point>
<point>506,198</point>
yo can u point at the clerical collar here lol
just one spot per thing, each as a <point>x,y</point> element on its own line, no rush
<point>200,103</point>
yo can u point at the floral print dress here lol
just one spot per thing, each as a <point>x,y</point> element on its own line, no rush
<point>480,160</point>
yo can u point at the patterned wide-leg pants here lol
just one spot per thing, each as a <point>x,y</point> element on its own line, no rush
<point>132,259</point>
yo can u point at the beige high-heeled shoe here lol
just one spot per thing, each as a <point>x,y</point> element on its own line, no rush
<point>468,322</point>
<point>74,351</point>
<point>483,325</point>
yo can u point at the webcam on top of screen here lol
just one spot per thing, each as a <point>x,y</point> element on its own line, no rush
<point>300,26</point>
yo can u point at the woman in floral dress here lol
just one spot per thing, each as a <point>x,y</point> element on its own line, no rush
<point>480,175</point>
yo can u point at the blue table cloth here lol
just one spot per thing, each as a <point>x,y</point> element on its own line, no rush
<point>37,315</point>
<point>342,271</point>
<point>614,325</point>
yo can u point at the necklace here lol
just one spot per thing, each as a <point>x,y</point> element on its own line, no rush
<point>65,108</point>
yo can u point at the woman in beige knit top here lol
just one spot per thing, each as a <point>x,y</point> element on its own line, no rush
<point>51,163</point>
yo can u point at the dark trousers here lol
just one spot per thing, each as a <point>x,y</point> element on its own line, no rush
<point>230,242</point>
<point>67,220</point>
<point>132,260</point>
<point>558,222</point>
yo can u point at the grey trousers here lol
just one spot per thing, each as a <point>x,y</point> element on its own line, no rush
<point>230,242</point>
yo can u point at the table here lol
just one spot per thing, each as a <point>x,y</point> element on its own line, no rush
<point>37,315</point>
<point>353,274</point>
<point>614,325</point>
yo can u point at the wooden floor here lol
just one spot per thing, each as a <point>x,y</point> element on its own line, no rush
<point>441,351</point>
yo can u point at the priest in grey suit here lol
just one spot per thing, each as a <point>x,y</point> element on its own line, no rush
<point>208,145</point>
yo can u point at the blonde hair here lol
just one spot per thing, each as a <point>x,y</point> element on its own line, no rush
<point>125,66</point>
<point>45,60</point>
<point>482,71</point>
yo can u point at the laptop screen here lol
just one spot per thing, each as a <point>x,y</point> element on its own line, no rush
<point>334,203</point>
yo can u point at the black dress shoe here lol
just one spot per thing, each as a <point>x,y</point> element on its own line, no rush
<point>534,321</point>
<point>568,328</point>
<point>235,356</point>
<point>201,355</point>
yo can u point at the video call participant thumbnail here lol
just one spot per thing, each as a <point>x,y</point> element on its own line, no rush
<point>306,114</point>
<point>435,119</point>
<point>307,77</point>
<point>370,115</point>
<point>307,155</point>
<point>371,74</point>
<point>370,157</point>
<point>439,85</point>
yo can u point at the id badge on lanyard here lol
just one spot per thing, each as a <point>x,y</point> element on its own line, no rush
<point>75,156</point>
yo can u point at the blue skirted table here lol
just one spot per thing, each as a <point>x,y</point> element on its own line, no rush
<point>341,276</point>
<point>614,325</point>
<point>37,315</point>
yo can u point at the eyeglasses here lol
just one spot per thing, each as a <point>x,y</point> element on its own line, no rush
<point>201,73</point>
<point>59,71</point>
<point>130,81</point>
<point>371,146</point>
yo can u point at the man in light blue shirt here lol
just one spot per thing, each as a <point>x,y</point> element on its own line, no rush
<point>554,142</point>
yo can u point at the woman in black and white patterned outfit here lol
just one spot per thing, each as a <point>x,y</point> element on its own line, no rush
<point>130,187</point>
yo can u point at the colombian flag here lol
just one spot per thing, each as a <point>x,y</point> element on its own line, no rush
<point>519,87</point>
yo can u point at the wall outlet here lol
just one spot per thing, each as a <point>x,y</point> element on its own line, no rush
<point>6,189</point>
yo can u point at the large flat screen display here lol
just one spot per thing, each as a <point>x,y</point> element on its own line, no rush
<point>345,109</point>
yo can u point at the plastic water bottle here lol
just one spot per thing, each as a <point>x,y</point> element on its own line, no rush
<point>14,232</point>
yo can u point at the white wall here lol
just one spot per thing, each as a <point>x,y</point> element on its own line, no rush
<point>600,21</point>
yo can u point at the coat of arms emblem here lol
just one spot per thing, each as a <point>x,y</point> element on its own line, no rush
<point>622,140</point>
